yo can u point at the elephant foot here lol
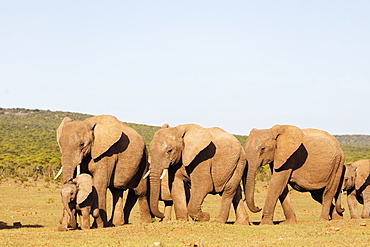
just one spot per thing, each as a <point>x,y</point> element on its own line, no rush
<point>205,217</point>
<point>165,220</point>
<point>336,216</point>
<point>365,216</point>
<point>219,220</point>
<point>62,228</point>
<point>267,221</point>
<point>291,221</point>
<point>98,223</point>
<point>323,219</point>
<point>201,216</point>
<point>182,218</point>
<point>146,219</point>
<point>244,222</point>
<point>117,221</point>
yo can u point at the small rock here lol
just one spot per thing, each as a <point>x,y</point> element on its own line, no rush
<point>362,224</point>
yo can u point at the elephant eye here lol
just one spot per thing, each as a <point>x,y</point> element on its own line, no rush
<point>82,144</point>
<point>169,151</point>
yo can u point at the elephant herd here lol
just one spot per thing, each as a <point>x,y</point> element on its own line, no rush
<point>188,162</point>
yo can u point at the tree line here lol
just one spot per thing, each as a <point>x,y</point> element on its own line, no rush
<point>28,146</point>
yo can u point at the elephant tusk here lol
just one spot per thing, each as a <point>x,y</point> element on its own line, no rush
<point>163,173</point>
<point>60,172</point>
<point>146,174</point>
<point>78,172</point>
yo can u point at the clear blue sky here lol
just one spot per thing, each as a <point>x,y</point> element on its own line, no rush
<point>234,64</point>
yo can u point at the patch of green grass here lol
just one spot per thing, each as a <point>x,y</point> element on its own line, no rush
<point>38,209</point>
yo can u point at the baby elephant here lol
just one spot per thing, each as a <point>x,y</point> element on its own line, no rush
<point>357,184</point>
<point>79,196</point>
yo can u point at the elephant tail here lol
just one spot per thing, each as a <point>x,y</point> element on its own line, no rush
<point>339,176</point>
<point>338,195</point>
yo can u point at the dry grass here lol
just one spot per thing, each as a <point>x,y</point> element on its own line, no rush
<point>37,208</point>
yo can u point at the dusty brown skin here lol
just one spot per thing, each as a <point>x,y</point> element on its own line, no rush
<point>309,160</point>
<point>79,197</point>
<point>115,155</point>
<point>357,184</point>
<point>209,160</point>
<point>165,193</point>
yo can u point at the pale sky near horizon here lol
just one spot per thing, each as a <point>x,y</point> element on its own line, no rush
<point>234,64</point>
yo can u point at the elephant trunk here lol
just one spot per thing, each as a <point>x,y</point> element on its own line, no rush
<point>67,208</point>
<point>67,173</point>
<point>68,166</point>
<point>249,188</point>
<point>155,187</point>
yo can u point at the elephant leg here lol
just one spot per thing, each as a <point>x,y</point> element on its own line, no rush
<point>278,183</point>
<point>352,204</point>
<point>178,195</point>
<point>73,223</point>
<point>145,215</point>
<point>85,218</point>
<point>129,204</point>
<point>241,214</point>
<point>227,199</point>
<point>286,204</point>
<point>167,211</point>
<point>328,207</point>
<point>101,189</point>
<point>117,207</point>
<point>98,222</point>
<point>197,195</point>
<point>64,222</point>
<point>366,209</point>
<point>319,197</point>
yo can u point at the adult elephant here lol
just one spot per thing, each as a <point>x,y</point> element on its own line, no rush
<point>209,160</point>
<point>114,154</point>
<point>357,184</point>
<point>308,159</point>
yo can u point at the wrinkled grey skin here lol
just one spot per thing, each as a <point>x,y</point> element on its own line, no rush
<point>79,197</point>
<point>357,184</point>
<point>165,194</point>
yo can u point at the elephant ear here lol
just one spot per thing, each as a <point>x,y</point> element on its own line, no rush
<point>107,131</point>
<point>288,139</point>
<point>84,184</point>
<point>196,139</point>
<point>362,173</point>
<point>60,128</point>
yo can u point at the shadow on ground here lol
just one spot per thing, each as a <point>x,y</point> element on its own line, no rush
<point>15,225</point>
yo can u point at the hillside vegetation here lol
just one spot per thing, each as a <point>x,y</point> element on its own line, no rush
<point>28,146</point>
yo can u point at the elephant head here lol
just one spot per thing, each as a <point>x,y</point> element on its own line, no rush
<point>173,146</point>
<point>266,146</point>
<point>356,175</point>
<point>75,191</point>
<point>349,177</point>
<point>90,138</point>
